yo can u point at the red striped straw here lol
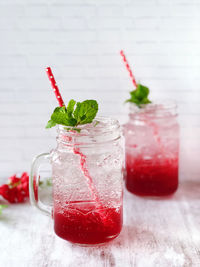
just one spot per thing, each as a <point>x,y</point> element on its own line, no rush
<point>128,68</point>
<point>76,151</point>
<point>55,87</point>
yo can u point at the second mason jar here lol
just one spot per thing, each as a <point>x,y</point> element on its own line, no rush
<point>87,182</point>
<point>152,149</point>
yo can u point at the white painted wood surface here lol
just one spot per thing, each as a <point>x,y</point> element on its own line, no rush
<point>156,232</point>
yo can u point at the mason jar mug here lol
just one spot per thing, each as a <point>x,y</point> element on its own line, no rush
<point>152,149</point>
<point>87,182</point>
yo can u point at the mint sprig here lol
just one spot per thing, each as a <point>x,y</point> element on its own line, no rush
<point>139,95</point>
<point>2,207</point>
<point>75,114</point>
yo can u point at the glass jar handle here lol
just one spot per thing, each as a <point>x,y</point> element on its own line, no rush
<point>34,181</point>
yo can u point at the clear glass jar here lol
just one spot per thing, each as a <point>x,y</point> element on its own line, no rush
<point>87,182</point>
<point>152,149</point>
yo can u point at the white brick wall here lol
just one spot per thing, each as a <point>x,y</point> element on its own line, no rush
<point>80,40</point>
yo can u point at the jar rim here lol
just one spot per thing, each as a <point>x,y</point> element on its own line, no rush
<point>101,130</point>
<point>157,109</point>
<point>104,124</point>
<point>167,104</point>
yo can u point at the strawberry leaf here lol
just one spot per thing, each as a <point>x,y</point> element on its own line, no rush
<point>2,207</point>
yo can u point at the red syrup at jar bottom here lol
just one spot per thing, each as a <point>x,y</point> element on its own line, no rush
<point>84,223</point>
<point>154,177</point>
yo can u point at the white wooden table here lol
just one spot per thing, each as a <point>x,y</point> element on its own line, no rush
<point>156,233</point>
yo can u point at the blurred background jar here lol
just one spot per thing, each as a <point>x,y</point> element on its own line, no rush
<point>152,149</point>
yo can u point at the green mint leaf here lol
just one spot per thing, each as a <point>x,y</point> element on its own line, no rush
<point>75,114</point>
<point>139,95</point>
<point>77,111</point>
<point>50,124</point>
<point>2,207</point>
<point>86,111</point>
<point>70,107</point>
<point>61,116</point>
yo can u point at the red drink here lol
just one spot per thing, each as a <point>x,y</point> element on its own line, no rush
<point>152,150</point>
<point>151,177</point>
<point>84,223</point>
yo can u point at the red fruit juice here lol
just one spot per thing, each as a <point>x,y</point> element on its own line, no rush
<point>84,223</point>
<point>151,177</point>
